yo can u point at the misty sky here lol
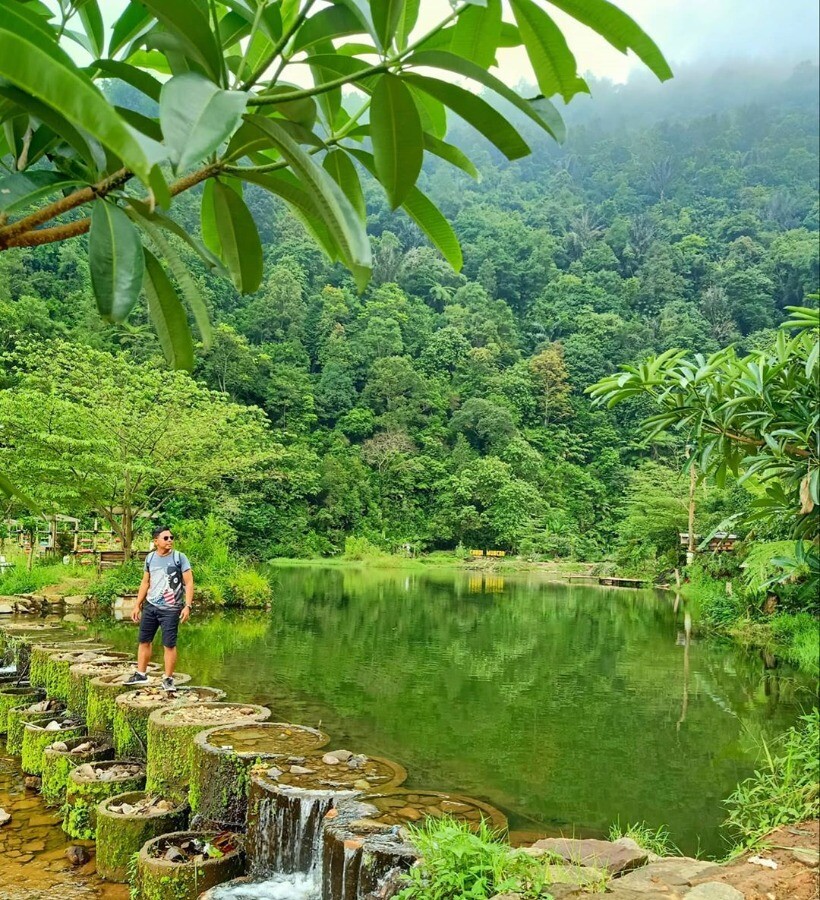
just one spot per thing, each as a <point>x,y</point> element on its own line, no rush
<point>711,30</point>
<point>686,30</point>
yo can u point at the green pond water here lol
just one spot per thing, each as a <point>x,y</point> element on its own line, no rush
<point>569,707</point>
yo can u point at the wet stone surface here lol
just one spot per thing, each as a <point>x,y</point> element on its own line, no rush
<point>33,862</point>
<point>410,807</point>
<point>267,737</point>
<point>335,770</point>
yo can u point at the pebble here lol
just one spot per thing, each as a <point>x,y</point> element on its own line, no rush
<point>76,855</point>
<point>5,817</point>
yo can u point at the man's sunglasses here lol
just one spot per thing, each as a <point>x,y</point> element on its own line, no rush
<point>166,537</point>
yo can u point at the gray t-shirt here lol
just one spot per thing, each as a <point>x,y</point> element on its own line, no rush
<point>166,589</point>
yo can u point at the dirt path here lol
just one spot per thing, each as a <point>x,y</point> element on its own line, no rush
<point>794,849</point>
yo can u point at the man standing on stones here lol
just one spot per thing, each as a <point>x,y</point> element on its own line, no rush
<point>168,586</point>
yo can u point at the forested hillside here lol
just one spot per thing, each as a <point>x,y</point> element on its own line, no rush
<point>440,409</point>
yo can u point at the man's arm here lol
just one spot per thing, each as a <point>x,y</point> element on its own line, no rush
<point>188,581</point>
<point>143,590</point>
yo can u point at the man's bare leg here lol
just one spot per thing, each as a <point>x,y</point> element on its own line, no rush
<point>143,658</point>
<point>170,661</point>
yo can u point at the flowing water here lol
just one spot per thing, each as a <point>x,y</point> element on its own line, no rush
<point>569,707</point>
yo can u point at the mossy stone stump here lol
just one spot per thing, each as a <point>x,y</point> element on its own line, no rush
<point>81,674</point>
<point>16,696</point>
<point>289,800</point>
<point>13,632</point>
<point>223,758</point>
<point>19,717</point>
<point>84,792</point>
<point>161,879</point>
<point>133,709</point>
<point>57,763</point>
<point>103,689</point>
<point>120,835</point>
<point>364,839</point>
<point>171,734</point>
<point>41,669</point>
<point>37,736</point>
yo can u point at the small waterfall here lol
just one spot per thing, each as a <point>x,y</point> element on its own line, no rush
<point>286,833</point>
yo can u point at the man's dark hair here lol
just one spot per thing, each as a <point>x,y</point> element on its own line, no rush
<point>158,530</point>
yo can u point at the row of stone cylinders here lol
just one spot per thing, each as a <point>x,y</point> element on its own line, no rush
<point>292,807</point>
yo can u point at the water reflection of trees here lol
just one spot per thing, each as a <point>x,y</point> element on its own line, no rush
<point>560,704</point>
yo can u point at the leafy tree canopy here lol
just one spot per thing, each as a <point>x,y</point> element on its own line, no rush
<point>88,431</point>
<point>251,92</point>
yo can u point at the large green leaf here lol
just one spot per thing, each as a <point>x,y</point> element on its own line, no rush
<point>196,117</point>
<point>133,20</point>
<point>398,144</point>
<point>22,189</point>
<point>92,21</point>
<point>188,21</point>
<point>32,61</point>
<point>86,147</point>
<point>475,112</point>
<point>182,276</point>
<point>553,62</point>
<point>407,22</point>
<point>426,215</point>
<point>239,244</point>
<point>619,29</point>
<point>452,154</point>
<point>344,173</point>
<point>137,78</point>
<point>432,113</point>
<point>327,24</point>
<point>115,259</point>
<point>336,210</point>
<point>168,316</point>
<point>287,186</point>
<point>207,212</point>
<point>541,110</point>
<point>477,33</point>
<point>386,15</point>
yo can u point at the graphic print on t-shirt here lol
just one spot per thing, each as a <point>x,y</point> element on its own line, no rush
<point>169,584</point>
<point>166,588</point>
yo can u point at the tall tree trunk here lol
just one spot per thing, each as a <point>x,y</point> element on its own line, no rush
<point>127,532</point>
<point>693,480</point>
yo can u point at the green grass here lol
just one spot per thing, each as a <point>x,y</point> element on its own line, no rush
<point>656,840</point>
<point>784,790</point>
<point>20,581</point>
<point>459,863</point>
<point>797,639</point>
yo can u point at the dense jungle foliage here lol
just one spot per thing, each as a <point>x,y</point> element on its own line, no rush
<point>440,409</point>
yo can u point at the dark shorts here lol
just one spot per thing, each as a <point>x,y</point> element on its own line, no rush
<point>153,617</point>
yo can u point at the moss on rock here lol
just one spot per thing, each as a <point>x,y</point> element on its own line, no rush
<point>58,763</point>
<point>160,879</point>
<point>82,796</point>
<point>223,758</point>
<point>120,836</point>
<point>171,734</point>
<point>18,718</point>
<point>11,697</point>
<point>102,692</point>
<point>36,738</point>
<point>130,725</point>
